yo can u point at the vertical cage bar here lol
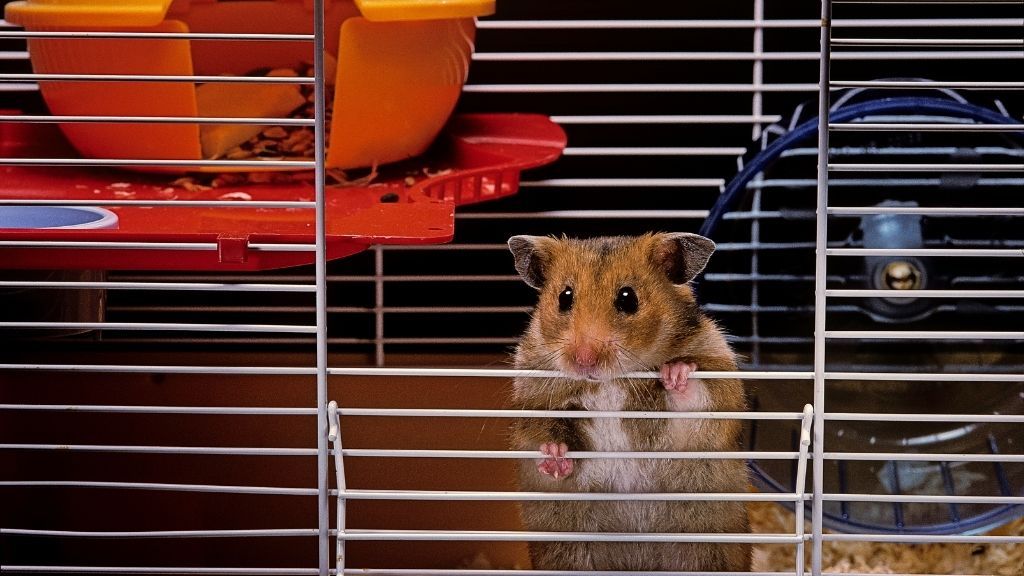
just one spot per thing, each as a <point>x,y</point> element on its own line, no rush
<point>319,107</point>
<point>801,487</point>
<point>378,304</point>
<point>757,96</point>
<point>755,285</point>
<point>334,435</point>
<point>821,223</point>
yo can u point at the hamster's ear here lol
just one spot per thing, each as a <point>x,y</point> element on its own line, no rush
<point>682,255</point>
<point>531,257</point>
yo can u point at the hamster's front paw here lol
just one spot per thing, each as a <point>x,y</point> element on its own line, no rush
<point>555,464</point>
<point>675,375</point>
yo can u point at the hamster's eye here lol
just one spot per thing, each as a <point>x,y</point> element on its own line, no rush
<point>626,301</point>
<point>565,300</point>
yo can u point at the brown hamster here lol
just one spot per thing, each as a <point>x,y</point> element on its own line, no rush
<point>609,306</point>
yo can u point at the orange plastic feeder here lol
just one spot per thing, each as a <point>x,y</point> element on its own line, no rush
<point>401,65</point>
<point>477,158</point>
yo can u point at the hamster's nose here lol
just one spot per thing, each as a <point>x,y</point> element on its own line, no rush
<point>585,357</point>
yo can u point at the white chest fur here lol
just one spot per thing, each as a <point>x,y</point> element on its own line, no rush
<point>608,435</point>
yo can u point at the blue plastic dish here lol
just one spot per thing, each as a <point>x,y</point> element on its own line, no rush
<point>35,217</point>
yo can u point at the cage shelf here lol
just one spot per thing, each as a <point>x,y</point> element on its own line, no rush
<point>477,158</point>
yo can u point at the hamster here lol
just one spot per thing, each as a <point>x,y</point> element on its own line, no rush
<point>608,306</point>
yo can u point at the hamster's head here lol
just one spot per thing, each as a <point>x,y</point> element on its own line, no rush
<point>608,306</point>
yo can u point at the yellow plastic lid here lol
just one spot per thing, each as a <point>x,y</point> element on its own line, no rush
<point>382,10</point>
<point>130,13</point>
<point>86,13</point>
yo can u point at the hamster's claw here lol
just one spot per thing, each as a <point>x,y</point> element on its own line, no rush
<point>555,464</point>
<point>675,375</point>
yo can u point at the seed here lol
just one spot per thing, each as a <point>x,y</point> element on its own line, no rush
<point>275,132</point>
<point>237,153</point>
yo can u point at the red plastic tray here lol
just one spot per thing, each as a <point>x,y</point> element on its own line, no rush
<point>478,157</point>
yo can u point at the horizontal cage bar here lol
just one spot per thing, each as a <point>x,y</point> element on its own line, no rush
<point>155,78</point>
<point>584,214</point>
<point>922,538</point>
<point>666,119</point>
<point>966,2</point>
<point>159,35</point>
<point>923,498</point>
<point>513,373</point>
<point>922,457</point>
<point>929,42</point>
<point>563,496</point>
<point>905,417</point>
<point>48,119</point>
<point>925,84</point>
<point>632,88</point>
<point>297,164</point>
<point>582,56</point>
<point>205,450</point>
<point>165,369</point>
<point>923,127</point>
<point>894,167</point>
<point>625,183</point>
<point>57,569</point>
<point>192,410</point>
<point>163,326</point>
<point>528,454</point>
<point>923,335</point>
<point>578,414</point>
<point>210,488</point>
<point>965,252</point>
<point>169,286</point>
<point>513,536</point>
<point>925,377</point>
<point>740,23</point>
<point>211,246</point>
<point>267,533</point>
<point>925,210</point>
<point>653,151</point>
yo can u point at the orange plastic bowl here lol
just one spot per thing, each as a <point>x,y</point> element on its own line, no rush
<point>401,67</point>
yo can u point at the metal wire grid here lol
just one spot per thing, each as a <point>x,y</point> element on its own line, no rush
<point>328,416</point>
<point>383,271</point>
<point>822,335</point>
<point>317,288</point>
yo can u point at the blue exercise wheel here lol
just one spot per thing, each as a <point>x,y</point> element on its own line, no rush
<point>760,286</point>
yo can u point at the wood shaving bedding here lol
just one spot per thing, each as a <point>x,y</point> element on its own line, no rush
<point>888,558</point>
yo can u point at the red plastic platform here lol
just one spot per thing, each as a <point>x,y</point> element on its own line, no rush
<point>478,157</point>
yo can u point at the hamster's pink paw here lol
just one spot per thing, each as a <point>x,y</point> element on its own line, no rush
<point>675,375</point>
<point>555,464</point>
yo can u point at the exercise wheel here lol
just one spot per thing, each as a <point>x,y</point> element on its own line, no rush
<point>761,288</point>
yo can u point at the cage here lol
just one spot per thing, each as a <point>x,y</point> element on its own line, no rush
<point>195,433</point>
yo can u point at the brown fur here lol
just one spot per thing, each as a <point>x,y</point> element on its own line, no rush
<point>667,326</point>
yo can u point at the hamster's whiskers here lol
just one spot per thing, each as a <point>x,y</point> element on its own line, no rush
<point>646,394</point>
<point>629,355</point>
<point>548,354</point>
